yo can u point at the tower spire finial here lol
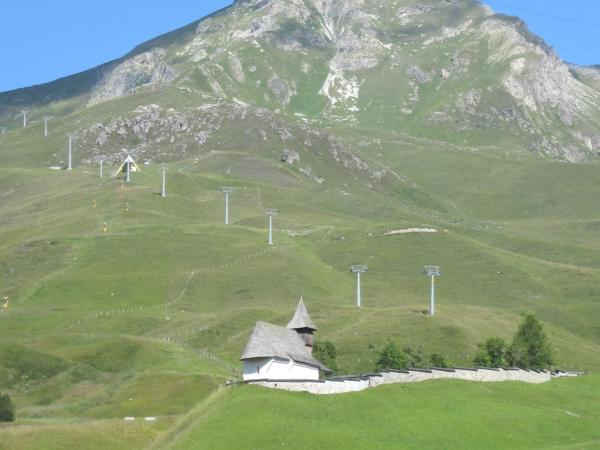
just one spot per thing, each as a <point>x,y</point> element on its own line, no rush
<point>301,319</point>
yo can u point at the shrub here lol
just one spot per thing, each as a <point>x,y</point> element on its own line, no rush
<point>530,348</point>
<point>7,409</point>
<point>326,352</point>
<point>439,360</point>
<point>417,357</point>
<point>491,353</point>
<point>391,357</point>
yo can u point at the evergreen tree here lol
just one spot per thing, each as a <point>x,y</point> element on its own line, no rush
<point>7,409</point>
<point>530,348</point>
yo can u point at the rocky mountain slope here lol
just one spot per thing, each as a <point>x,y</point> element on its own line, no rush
<point>450,70</point>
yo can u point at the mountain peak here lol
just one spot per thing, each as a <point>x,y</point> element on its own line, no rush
<point>450,66</point>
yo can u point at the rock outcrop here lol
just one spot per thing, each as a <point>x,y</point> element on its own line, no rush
<point>146,69</point>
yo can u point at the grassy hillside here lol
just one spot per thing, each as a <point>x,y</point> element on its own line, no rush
<point>433,415</point>
<point>438,415</point>
<point>150,317</point>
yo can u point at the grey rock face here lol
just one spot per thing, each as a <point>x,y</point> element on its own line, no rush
<point>290,157</point>
<point>468,102</point>
<point>409,13</point>
<point>566,117</point>
<point>163,74</point>
<point>280,89</point>
<point>235,65</point>
<point>417,74</point>
<point>144,69</point>
<point>537,78</point>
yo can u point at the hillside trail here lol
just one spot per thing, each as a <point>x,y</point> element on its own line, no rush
<point>232,264</point>
<point>509,256</point>
<point>190,420</point>
<point>178,338</point>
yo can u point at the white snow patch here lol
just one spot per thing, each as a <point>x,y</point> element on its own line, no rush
<point>340,90</point>
<point>411,230</point>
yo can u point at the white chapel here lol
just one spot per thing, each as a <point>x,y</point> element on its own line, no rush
<point>277,353</point>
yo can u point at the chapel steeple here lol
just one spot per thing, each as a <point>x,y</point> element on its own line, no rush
<point>303,325</point>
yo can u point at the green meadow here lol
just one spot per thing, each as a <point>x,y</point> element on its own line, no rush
<point>444,415</point>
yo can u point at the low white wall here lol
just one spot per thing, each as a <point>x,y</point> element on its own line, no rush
<point>354,384</point>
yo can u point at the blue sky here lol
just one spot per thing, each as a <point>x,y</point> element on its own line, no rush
<point>44,40</point>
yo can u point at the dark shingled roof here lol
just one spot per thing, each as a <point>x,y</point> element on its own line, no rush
<point>301,318</point>
<point>273,341</point>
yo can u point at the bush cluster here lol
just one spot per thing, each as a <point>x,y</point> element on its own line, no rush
<point>392,357</point>
<point>529,349</point>
<point>326,352</point>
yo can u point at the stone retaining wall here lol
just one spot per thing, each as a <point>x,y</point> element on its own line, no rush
<point>342,385</point>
